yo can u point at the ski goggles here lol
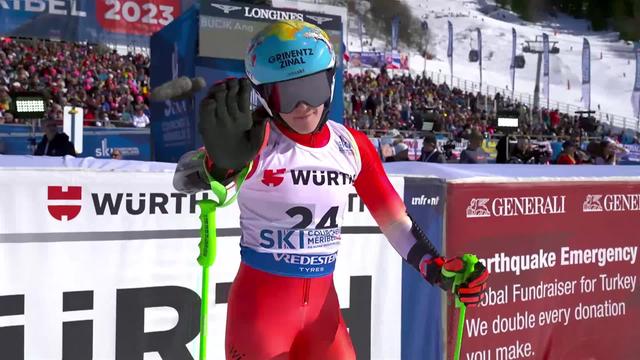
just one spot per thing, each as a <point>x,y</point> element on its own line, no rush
<point>283,97</point>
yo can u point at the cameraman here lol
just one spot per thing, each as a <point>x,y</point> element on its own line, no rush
<point>527,153</point>
<point>504,147</point>
<point>430,152</point>
<point>520,153</point>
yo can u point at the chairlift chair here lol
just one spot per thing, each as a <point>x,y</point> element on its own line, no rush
<point>474,55</point>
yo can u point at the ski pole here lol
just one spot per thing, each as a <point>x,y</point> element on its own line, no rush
<point>208,244</point>
<point>206,258</point>
<point>460,278</point>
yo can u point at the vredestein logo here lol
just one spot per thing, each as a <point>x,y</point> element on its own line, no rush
<point>57,194</point>
<point>516,206</point>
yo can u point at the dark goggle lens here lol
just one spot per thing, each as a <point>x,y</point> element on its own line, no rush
<point>283,97</point>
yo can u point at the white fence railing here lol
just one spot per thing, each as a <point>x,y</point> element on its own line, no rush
<point>616,121</point>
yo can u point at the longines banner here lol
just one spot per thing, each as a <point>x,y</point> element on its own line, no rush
<point>226,29</point>
<point>564,264</point>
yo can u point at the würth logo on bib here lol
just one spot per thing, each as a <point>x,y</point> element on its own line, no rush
<point>273,177</point>
<point>62,201</point>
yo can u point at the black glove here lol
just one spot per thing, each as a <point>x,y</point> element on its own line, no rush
<point>471,292</point>
<point>232,136</point>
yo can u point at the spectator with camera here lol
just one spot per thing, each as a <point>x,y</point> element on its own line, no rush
<point>607,152</point>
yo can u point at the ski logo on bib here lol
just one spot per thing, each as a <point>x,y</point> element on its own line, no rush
<point>344,145</point>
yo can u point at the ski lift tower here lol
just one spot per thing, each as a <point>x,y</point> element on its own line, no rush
<point>536,47</point>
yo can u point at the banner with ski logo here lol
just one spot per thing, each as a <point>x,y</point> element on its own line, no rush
<point>513,61</point>
<point>586,74</point>
<point>450,50</point>
<point>480,55</point>
<point>545,73</point>
<point>360,32</point>
<point>395,30</point>
<point>635,97</point>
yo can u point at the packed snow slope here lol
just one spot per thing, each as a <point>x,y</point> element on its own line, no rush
<point>612,61</point>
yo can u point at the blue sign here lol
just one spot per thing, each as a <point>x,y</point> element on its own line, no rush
<point>173,52</point>
<point>134,144</point>
<point>633,155</point>
<point>421,302</point>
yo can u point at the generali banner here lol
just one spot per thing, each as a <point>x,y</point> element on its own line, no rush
<point>564,264</point>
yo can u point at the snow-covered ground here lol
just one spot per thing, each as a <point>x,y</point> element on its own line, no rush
<point>613,74</point>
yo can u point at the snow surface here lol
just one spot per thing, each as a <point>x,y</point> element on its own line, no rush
<point>612,76</point>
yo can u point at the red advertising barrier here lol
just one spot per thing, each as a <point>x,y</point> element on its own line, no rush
<point>564,265</point>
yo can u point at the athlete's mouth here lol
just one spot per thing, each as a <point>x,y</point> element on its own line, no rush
<point>303,117</point>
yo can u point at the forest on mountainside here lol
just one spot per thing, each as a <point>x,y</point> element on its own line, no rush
<point>619,15</point>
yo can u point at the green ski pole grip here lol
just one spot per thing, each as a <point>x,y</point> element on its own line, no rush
<point>459,278</point>
<point>207,243</point>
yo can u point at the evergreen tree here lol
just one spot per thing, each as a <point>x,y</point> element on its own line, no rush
<point>522,8</point>
<point>503,3</point>
<point>598,11</point>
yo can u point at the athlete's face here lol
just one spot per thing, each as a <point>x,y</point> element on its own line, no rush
<point>303,119</point>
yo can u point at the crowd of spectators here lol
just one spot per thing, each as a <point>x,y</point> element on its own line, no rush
<point>380,101</point>
<point>112,88</point>
<point>384,105</point>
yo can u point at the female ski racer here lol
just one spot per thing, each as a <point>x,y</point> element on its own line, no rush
<point>283,303</point>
